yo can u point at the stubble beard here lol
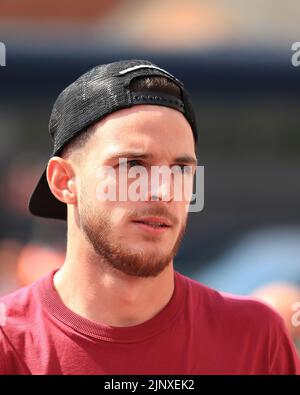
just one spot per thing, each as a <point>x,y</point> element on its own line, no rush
<point>112,252</point>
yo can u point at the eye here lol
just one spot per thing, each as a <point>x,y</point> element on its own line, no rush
<point>184,169</point>
<point>134,162</point>
<point>130,163</point>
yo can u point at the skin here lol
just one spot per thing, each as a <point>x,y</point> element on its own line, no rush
<point>115,273</point>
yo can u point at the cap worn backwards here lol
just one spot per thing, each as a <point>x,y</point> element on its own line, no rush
<point>97,93</point>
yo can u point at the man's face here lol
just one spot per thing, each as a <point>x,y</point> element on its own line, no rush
<point>159,135</point>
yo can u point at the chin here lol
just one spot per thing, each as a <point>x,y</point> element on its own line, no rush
<point>151,246</point>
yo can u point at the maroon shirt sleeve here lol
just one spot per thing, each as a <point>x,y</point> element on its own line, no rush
<point>10,361</point>
<point>284,357</point>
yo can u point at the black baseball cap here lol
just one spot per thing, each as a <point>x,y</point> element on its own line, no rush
<point>97,93</point>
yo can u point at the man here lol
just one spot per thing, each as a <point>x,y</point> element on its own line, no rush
<point>117,306</point>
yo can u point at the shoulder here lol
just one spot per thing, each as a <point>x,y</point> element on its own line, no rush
<point>17,316</point>
<point>21,314</point>
<point>231,309</point>
<point>255,326</point>
<point>20,309</point>
<point>16,304</point>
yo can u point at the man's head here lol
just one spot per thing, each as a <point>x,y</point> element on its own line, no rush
<point>147,134</point>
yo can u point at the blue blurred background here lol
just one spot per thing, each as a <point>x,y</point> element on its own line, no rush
<point>235,59</point>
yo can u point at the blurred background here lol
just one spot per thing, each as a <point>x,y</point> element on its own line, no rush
<point>235,59</point>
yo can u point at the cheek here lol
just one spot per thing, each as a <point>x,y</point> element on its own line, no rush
<point>116,213</point>
<point>182,215</point>
<point>183,189</point>
<point>106,187</point>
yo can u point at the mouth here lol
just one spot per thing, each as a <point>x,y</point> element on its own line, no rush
<point>153,224</point>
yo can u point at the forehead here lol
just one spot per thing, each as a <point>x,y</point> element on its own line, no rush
<point>144,126</point>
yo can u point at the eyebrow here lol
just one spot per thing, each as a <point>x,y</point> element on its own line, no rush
<point>185,158</point>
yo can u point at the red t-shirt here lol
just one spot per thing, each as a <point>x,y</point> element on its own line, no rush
<point>200,331</point>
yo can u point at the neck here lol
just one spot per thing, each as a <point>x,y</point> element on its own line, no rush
<point>88,286</point>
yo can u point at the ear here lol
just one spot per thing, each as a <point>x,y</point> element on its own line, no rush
<point>61,180</point>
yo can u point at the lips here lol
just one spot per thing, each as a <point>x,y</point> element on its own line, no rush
<point>155,222</point>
